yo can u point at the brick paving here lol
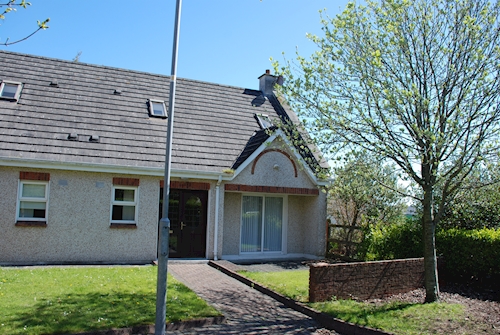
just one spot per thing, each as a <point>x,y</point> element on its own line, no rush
<point>247,311</point>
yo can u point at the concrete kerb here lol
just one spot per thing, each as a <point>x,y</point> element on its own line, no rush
<point>324,319</point>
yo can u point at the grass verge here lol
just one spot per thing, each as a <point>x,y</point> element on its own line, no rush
<point>55,300</point>
<point>394,317</point>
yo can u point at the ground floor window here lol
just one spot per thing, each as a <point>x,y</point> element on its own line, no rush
<point>32,201</point>
<point>261,224</point>
<point>124,204</point>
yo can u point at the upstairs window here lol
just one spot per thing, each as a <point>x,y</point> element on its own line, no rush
<point>264,121</point>
<point>157,108</point>
<point>10,90</point>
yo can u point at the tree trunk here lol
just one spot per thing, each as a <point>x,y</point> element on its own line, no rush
<point>429,239</point>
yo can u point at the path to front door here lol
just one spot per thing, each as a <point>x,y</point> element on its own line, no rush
<point>187,212</point>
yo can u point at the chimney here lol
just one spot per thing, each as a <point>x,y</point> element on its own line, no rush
<point>267,82</point>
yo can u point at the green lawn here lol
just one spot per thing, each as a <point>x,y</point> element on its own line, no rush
<point>55,300</point>
<point>396,317</point>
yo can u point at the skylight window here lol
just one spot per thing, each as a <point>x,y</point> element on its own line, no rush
<point>264,121</point>
<point>157,108</point>
<point>10,90</point>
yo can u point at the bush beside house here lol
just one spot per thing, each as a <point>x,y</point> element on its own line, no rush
<point>468,254</point>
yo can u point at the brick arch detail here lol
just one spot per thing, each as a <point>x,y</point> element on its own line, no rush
<point>275,150</point>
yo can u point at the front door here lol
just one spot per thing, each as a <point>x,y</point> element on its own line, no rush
<point>187,212</point>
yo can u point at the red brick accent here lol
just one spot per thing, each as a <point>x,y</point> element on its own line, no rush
<point>41,224</point>
<point>187,185</point>
<point>42,176</point>
<point>274,150</point>
<point>364,280</point>
<point>271,189</point>
<point>126,181</point>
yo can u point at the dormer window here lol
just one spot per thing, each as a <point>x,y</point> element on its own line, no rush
<point>157,108</point>
<point>10,90</point>
<point>264,121</point>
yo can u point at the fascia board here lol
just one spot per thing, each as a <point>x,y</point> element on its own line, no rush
<point>263,146</point>
<point>143,171</point>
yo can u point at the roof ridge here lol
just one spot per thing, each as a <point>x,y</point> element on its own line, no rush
<point>69,62</point>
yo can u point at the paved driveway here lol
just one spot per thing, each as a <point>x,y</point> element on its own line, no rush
<point>247,311</point>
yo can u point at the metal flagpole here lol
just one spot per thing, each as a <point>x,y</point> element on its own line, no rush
<point>164,224</point>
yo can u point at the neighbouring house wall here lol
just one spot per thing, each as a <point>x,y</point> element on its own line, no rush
<point>78,225</point>
<point>364,280</point>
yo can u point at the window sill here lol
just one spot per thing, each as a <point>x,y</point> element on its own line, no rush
<point>123,226</point>
<point>41,224</point>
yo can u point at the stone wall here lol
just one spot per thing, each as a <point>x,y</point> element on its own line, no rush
<point>364,280</point>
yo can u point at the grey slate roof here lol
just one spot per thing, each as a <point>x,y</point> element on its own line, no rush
<point>212,126</point>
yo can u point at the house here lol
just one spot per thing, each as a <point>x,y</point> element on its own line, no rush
<point>82,150</point>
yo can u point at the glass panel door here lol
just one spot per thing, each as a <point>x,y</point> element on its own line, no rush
<point>251,224</point>
<point>261,224</point>
<point>273,222</point>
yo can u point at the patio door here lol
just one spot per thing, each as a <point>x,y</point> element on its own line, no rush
<point>262,224</point>
<point>187,212</point>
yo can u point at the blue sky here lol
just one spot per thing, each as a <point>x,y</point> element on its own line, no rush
<point>222,41</point>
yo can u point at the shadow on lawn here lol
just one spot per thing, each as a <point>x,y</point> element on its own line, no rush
<point>93,311</point>
<point>360,317</point>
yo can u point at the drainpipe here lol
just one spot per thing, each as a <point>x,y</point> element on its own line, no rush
<point>216,228</point>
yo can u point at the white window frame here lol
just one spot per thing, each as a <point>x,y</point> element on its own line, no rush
<point>29,199</point>
<point>12,83</point>
<point>284,227</point>
<point>151,102</point>
<point>134,203</point>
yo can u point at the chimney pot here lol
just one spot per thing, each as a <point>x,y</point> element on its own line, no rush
<point>268,72</point>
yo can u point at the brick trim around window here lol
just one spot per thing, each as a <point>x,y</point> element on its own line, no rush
<point>271,189</point>
<point>125,181</point>
<point>40,176</point>
<point>187,185</point>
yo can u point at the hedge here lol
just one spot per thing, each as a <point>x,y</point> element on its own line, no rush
<point>470,254</point>
<point>467,254</point>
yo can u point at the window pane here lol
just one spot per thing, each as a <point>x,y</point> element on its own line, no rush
<point>33,191</point>
<point>158,108</point>
<point>124,195</point>
<point>9,90</point>
<point>32,209</point>
<point>273,222</point>
<point>125,213</point>
<point>251,230</point>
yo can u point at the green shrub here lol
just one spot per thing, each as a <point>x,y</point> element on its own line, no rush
<point>470,254</point>
<point>392,242</point>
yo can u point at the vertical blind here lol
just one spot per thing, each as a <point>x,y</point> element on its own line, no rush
<point>251,226</point>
